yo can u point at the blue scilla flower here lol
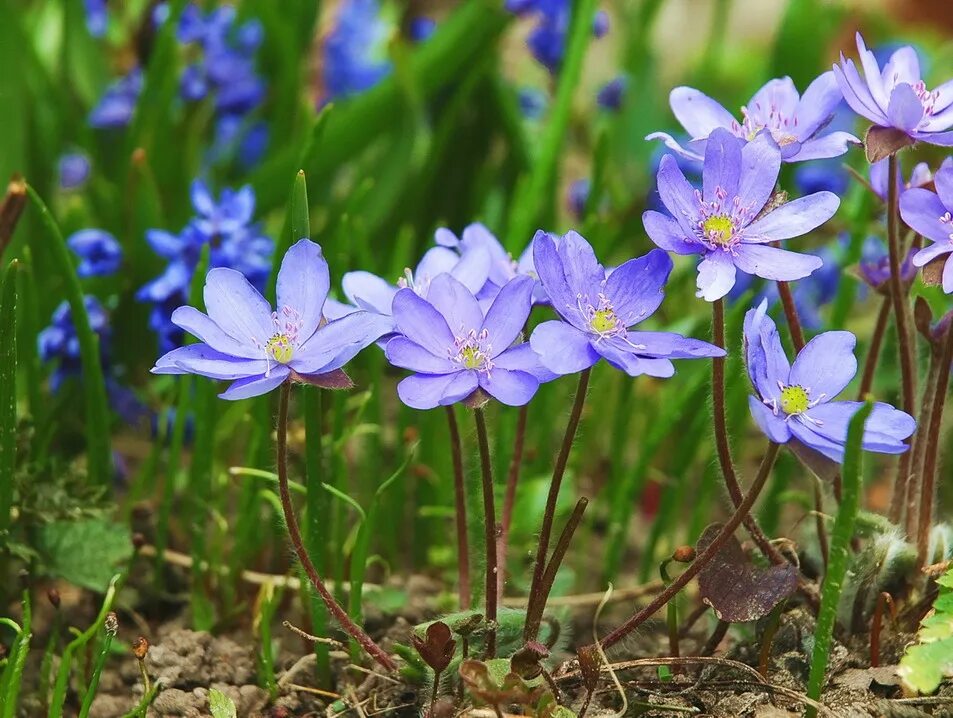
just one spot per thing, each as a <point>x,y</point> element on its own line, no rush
<point>99,252</point>
<point>532,102</point>
<point>58,342</point>
<point>116,106</point>
<point>611,94</point>
<point>97,17</point>
<point>547,41</point>
<point>353,52</point>
<point>421,28</point>
<point>236,242</point>
<point>74,170</point>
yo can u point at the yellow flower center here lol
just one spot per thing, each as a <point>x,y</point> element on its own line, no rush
<point>794,400</point>
<point>718,229</point>
<point>603,321</point>
<point>471,357</point>
<point>280,348</point>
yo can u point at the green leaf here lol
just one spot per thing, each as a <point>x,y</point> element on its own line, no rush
<point>8,391</point>
<point>99,458</point>
<point>220,705</point>
<point>85,553</point>
<point>930,660</point>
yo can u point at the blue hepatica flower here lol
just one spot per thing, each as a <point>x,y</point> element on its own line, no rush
<point>97,17</point>
<point>597,311</point>
<point>797,123</point>
<point>723,221</point>
<point>455,347</point>
<point>920,176</point>
<point>897,97</point>
<point>116,106</point>
<point>354,53</point>
<point>245,342</point>
<point>59,341</point>
<point>74,169</point>
<point>99,252</point>
<point>477,238</point>
<point>547,41</point>
<point>874,266</point>
<point>795,401</point>
<point>369,292</point>
<point>931,214</point>
<point>236,242</point>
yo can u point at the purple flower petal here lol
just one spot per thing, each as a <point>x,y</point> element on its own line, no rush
<point>673,346</point>
<point>436,261</point>
<point>368,291</point>
<point>202,200</point>
<point>792,219</point>
<point>761,163</point>
<point>677,195</point>
<point>513,388</point>
<point>884,432</point>
<point>406,354</point>
<point>624,358</point>
<point>562,348</point>
<point>457,305</point>
<point>767,363</point>
<point>931,252</point>
<point>943,139</point>
<point>772,425</point>
<point>872,77</point>
<point>943,181</point>
<point>716,276</point>
<point>721,171</point>
<point>550,270</point>
<point>697,112</point>
<point>775,264</point>
<point>582,269</point>
<point>428,391</point>
<point>826,365</point>
<point>857,94</point>
<point>237,307</point>
<point>202,359</point>
<point>667,233</point>
<point>921,209</point>
<point>303,284</point>
<point>421,323</point>
<point>817,104</point>
<point>472,268</point>
<point>807,436</point>
<point>948,277</point>
<point>333,309</point>
<point>636,288</point>
<point>903,66</point>
<point>255,385</point>
<point>672,144</point>
<point>522,358</point>
<point>207,331</point>
<point>905,109</point>
<point>508,314</point>
<point>336,343</point>
<point>831,145</point>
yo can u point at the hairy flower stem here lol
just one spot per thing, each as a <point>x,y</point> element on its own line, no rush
<point>703,558</point>
<point>873,352</point>
<point>294,533</point>
<point>546,529</point>
<point>460,501</point>
<point>928,480</point>
<point>915,478</point>
<point>509,498</point>
<point>721,435</point>
<point>534,613</point>
<point>489,516</point>
<point>908,381</point>
<point>791,314</point>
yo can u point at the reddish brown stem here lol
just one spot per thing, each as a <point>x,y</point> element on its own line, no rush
<point>703,558</point>
<point>875,625</point>
<point>716,637</point>
<point>509,498</point>
<point>905,342</point>
<point>489,521</point>
<point>873,353</point>
<point>928,480</point>
<point>549,514</point>
<point>915,478</point>
<point>294,532</point>
<point>791,314</point>
<point>460,501</point>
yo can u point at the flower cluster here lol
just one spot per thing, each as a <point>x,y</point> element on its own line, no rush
<point>547,41</point>
<point>115,108</point>
<point>354,53</point>
<point>235,241</point>
<point>225,71</point>
<point>58,342</point>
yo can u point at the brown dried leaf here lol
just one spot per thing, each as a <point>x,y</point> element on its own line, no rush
<point>438,646</point>
<point>736,588</point>
<point>497,690</point>
<point>881,142</point>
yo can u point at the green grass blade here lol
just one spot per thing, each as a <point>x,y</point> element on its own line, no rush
<point>98,460</point>
<point>839,553</point>
<point>534,192</point>
<point>13,674</point>
<point>8,391</point>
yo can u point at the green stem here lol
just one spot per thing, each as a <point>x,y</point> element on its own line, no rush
<point>97,672</point>
<point>839,552</point>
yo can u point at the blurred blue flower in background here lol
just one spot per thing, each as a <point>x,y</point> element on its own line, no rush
<point>578,195</point>
<point>116,106</point>
<point>421,28</point>
<point>99,252</point>
<point>532,102</point>
<point>97,17</point>
<point>354,52</point>
<point>74,169</point>
<point>59,342</point>
<point>235,241</point>
<point>547,41</point>
<point>612,94</point>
